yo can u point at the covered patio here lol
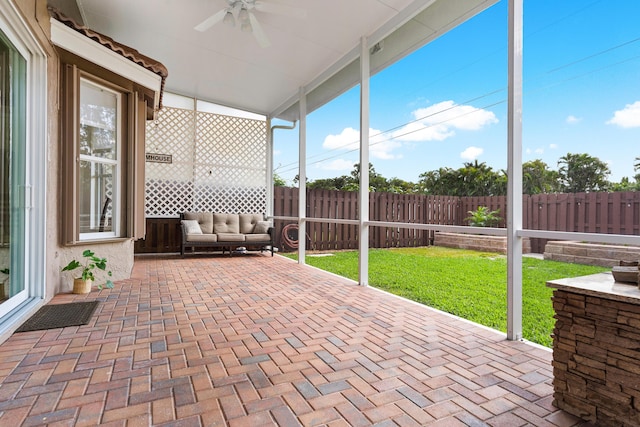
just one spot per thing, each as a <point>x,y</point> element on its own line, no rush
<point>248,340</point>
<point>256,341</point>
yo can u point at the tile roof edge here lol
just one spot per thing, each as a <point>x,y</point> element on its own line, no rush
<point>128,52</point>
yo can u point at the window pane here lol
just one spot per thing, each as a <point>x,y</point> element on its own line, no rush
<point>98,121</point>
<point>13,81</point>
<point>96,197</point>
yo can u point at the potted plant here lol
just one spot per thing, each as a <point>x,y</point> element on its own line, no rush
<point>4,294</point>
<point>82,284</point>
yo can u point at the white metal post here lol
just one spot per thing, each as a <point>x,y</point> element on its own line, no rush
<point>514,172</point>
<point>302,174</point>
<point>269,171</point>
<point>363,259</point>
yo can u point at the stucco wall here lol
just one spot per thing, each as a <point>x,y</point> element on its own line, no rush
<point>119,262</point>
<point>119,255</point>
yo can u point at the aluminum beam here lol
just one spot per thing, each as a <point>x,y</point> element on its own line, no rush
<point>302,182</point>
<point>363,258</point>
<point>514,172</point>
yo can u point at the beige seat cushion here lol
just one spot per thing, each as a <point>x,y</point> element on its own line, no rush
<point>230,237</point>
<point>226,223</point>
<point>248,222</point>
<point>262,227</point>
<point>202,238</point>
<point>257,238</point>
<point>205,220</point>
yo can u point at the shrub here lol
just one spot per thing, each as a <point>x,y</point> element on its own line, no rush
<point>483,217</point>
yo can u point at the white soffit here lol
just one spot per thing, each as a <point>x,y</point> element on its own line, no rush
<point>318,53</point>
<point>439,17</point>
<point>70,40</point>
<point>185,103</point>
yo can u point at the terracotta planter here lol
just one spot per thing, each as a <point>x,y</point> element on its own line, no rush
<point>81,286</point>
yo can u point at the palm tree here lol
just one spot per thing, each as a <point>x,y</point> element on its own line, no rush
<point>583,173</point>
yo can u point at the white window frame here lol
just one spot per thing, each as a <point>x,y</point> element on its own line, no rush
<point>117,201</point>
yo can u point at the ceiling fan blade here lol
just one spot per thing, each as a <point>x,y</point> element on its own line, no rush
<point>211,21</point>
<point>259,34</point>
<point>280,9</point>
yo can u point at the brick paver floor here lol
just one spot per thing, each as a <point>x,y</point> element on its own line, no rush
<point>256,341</point>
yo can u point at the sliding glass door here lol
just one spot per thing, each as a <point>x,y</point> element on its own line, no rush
<point>14,194</point>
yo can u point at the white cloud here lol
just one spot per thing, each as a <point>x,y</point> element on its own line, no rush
<point>337,165</point>
<point>539,150</point>
<point>440,121</point>
<point>471,153</point>
<point>382,146</point>
<point>628,117</point>
<point>277,152</point>
<point>572,120</point>
<point>349,139</point>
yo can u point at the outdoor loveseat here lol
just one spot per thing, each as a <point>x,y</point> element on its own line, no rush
<point>225,231</point>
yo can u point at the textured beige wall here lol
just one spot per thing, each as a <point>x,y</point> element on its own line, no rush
<point>119,255</point>
<point>119,262</point>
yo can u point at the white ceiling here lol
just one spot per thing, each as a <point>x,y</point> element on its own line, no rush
<point>226,66</point>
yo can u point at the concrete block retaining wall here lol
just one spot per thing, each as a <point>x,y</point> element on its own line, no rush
<point>590,253</point>
<point>477,242</point>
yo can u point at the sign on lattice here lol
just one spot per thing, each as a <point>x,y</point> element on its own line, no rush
<point>218,164</point>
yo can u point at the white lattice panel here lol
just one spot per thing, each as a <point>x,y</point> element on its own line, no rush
<point>218,164</point>
<point>166,198</point>
<point>172,133</point>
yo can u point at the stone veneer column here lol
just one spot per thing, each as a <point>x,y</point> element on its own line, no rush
<point>596,349</point>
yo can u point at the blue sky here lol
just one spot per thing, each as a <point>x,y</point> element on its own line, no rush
<point>446,103</point>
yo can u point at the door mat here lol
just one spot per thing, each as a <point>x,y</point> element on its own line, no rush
<point>60,316</point>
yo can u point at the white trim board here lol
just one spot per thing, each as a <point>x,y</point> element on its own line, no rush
<point>78,44</point>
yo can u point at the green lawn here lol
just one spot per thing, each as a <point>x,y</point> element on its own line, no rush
<point>466,283</point>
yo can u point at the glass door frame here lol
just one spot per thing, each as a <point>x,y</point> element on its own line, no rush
<point>30,196</point>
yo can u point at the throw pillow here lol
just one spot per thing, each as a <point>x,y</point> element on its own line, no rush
<point>262,227</point>
<point>191,226</point>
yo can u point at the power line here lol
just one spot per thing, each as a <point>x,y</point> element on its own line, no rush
<point>602,52</point>
<point>501,49</point>
<point>567,65</point>
<point>291,166</point>
<point>398,127</point>
<point>406,133</point>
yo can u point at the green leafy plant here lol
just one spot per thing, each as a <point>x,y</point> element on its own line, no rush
<point>5,271</point>
<point>483,217</point>
<point>90,263</point>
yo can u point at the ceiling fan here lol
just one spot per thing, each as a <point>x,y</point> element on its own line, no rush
<point>242,12</point>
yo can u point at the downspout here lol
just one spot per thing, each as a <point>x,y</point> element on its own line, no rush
<point>269,212</point>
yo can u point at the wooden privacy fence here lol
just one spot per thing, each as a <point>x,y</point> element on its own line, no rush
<point>342,205</point>
<point>607,213</point>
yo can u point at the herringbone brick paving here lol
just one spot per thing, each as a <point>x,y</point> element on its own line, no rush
<point>256,341</point>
